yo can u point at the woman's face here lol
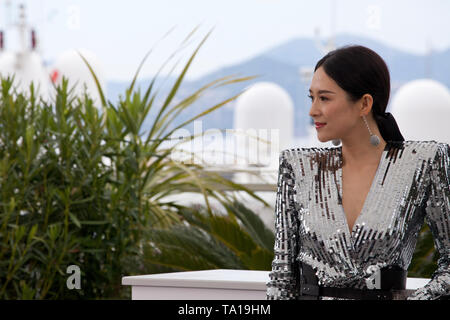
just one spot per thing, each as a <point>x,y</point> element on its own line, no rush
<point>334,115</point>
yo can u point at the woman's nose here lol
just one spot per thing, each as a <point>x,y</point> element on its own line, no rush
<point>313,110</point>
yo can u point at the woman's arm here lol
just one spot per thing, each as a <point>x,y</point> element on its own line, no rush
<point>438,219</point>
<point>284,283</point>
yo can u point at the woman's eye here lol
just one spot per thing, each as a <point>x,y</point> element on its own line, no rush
<point>322,98</point>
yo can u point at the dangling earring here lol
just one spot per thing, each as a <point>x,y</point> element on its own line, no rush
<point>336,142</point>
<point>374,139</point>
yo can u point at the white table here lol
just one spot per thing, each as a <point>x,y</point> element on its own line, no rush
<point>219,284</point>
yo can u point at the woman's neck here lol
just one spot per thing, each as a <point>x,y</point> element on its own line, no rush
<point>358,151</point>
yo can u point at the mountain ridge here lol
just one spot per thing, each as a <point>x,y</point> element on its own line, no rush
<point>280,64</point>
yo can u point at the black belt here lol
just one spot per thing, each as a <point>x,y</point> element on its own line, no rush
<point>393,284</point>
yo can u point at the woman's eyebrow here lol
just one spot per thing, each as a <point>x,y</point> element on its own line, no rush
<point>323,91</point>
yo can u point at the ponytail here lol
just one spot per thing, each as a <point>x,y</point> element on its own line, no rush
<point>388,127</point>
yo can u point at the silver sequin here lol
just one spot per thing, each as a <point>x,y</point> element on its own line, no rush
<point>411,185</point>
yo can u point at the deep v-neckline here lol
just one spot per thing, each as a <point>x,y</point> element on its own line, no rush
<point>351,231</point>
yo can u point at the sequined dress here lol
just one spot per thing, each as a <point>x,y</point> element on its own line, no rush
<point>411,185</point>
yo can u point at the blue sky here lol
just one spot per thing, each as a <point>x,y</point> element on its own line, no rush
<point>120,32</point>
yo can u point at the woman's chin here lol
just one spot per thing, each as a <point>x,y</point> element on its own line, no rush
<point>323,139</point>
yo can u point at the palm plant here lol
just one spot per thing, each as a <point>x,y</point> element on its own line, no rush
<point>81,186</point>
<point>237,239</point>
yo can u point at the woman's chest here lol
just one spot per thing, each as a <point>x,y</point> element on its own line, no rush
<point>389,206</point>
<point>355,188</point>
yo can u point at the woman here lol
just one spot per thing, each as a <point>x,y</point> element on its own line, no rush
<point>348,217</point>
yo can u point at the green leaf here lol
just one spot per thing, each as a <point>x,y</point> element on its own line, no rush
<point>94,223</point>
<point>175,87</point>
<point>97,83</point>
<point>74,219</point>
<point>32,233</point>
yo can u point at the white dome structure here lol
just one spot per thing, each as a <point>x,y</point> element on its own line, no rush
<point>422,110</point>
<point>71,66</point>
<point>264,110</point>
<point>27,67</point>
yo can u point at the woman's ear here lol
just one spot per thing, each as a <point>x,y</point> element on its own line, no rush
<point>366,104</point>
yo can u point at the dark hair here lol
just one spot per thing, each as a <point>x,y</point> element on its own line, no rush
<point>359,70</point>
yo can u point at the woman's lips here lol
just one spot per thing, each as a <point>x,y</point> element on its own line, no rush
<point>319,124</point>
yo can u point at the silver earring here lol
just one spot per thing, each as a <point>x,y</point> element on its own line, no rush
<point>336,142</point>
<point>374,139</point>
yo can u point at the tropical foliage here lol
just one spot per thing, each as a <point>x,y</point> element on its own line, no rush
<point>82,185</point>
<point>237,239</point>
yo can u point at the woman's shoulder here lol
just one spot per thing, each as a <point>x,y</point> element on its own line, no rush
<point>311,156</point>
<point>423,142</point>
<point>432,147</point>
<point>302,151</point>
